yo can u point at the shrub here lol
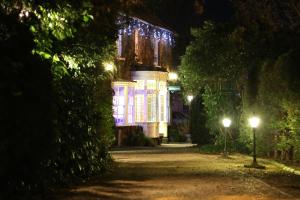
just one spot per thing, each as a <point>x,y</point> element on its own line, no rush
<point>211,148</point>
<point>176,136</point>
<point>138,138</point>
<point>198,119</point>
<point>26,95</point>
<point>56,125</point>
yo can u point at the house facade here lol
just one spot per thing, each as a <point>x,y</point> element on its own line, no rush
<point>141,96</point>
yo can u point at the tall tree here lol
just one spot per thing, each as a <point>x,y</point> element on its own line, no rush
<point>254,53</point>
<point>56,84</point>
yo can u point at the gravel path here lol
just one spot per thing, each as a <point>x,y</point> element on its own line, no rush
<point>181,173</point>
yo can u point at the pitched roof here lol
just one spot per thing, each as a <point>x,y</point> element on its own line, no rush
<point>144,15</point>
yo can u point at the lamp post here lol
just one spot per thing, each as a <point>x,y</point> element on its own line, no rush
<point>226,123</point>
<point>254,122</point>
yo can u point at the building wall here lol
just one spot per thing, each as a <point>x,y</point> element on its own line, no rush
<point>137,47</point>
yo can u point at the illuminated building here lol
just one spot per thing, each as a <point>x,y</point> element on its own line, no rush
<point>141,96</point>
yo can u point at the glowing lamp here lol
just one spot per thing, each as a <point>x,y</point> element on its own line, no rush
<point>108,66</point>
<point>190,98</point>
<point>173,76</point>
<point>226,122</point>
<point>254,122</point>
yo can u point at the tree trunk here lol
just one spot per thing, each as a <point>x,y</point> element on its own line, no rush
<point>275,154</point>
<point>291,154</point>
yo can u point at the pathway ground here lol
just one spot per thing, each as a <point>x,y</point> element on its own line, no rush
<point>180,172</point>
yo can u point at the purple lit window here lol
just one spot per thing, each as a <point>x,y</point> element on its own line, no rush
<point>119,105</point>
<point>130,105</point>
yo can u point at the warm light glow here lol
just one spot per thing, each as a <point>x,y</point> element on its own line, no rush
<point>151,107</point>
<point>140,84</point>
<point>139,107</point>
<point>23,13</point>
<point>173,76</point>
<point>226,122</point>
<point>108,66</point>
<point>190,98</point>
<point>151,85</point>
<point>162,86</point>
<point>254,122</point>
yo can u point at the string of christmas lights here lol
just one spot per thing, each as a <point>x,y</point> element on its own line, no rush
<point>147,30</point>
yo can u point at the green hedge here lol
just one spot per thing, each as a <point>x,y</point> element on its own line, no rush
<point>138,138</point>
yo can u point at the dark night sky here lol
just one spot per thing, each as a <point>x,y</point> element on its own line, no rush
<point>182,15</point>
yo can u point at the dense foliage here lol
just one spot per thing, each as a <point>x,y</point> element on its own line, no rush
<point>198,122</point>
<point>248,66</point>
<point>26,132</point>
<point>176,135</point>
<point>137,138</point>
<point>56,112</point>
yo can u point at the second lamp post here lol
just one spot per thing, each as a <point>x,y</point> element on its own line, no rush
<point>226,123</point>
<point>254,122</point>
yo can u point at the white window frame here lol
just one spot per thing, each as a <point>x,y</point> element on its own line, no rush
<point>139,108</point>
<point>130,111</point>
<point>162,108</point>
<point>162,85</point>
<point>140,84</point>
<point>151,108</point>
<point>151,84</point>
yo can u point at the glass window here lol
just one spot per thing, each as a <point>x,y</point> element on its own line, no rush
<point>162,107</point>
<point>151,84</point>
<point>151,107</point>
<point>162,85</point>
<point>121,91</point>
<point>119,105</point>
<point>130,105</point>
<point>140,84</point>
<point>139,108</point>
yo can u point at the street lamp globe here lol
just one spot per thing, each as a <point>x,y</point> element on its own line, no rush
<point>190,98</point>
<point>109,66</point>
<point>226,122</point>
<point>254,122</point>
<point>173,76</point>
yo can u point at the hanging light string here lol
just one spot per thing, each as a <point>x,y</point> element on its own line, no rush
<point>146,30</point>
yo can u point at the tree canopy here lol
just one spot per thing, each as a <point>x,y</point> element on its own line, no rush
<point>56,121</point>
<point>248,66</point>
